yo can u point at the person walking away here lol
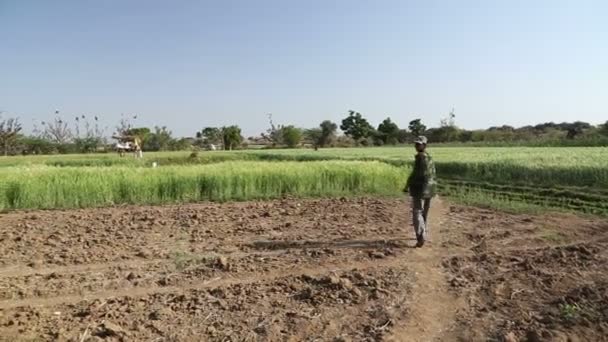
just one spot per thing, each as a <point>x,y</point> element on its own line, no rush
<point>137,148</point>
<point>421,185</point>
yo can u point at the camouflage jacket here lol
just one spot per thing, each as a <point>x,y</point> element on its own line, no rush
<point>422,181</point>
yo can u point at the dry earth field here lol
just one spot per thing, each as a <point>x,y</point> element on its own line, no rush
<point>301,270</point>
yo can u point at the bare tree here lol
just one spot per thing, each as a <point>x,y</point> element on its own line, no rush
<point>274,134</point>
<point>93,135</point>
<point>124,125</point>
<point>450,121</point>
<point>91,130</point>
<point>56,131</point>
<point>9,132</point>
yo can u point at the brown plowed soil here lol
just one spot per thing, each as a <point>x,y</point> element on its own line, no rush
<point>300,270</point>
<point>528,278</point>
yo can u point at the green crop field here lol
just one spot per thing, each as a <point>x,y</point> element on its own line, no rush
<point>65,187</point>
<point>565,178</point>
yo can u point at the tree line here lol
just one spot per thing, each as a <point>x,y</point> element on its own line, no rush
<point>357,131</point>
<point>82,134</point>
<point>85,134</point>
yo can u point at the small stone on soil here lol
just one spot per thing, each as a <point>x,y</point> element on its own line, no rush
<point>377,255</point>
<point>223,263</point>
<point>107,329</point>
<point>510,337</point>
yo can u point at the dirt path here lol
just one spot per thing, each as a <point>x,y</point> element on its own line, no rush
<point>432,307</point>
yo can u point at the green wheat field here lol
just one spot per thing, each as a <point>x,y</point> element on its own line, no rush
<point>573,179</point>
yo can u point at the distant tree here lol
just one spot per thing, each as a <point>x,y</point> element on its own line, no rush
<point>274,134</point>
<point>315,136</point>
<point>181,144</point>
<point>447,130</point>
<point>503,128</point>
<point>443,134</point>
<point>403,136</point>
<point>328,133</point>
<point>544,127</point>
<point>125,125</point>
<point>344,141</point>
<point>450,121</point>
<point>575,129</point>
<point>143,133</point>
<point>389,132</point>
<point>376,138</point>
<point>322,136</point>
<point>434,135</point>
<point>466,136</point>
<point>34,145</point>
<point>92,127</point>
<point>416,127</point>
<point>87,144</point>
<point>211,136</point>
<point>356,127</point>
<point>281,135</point>
<point>573,132</point>
<point>291,136</point>
<point>604,129</point>
<point>56,131</point>
<point>9,134</point>
<point>159,140</point>
<point>232,137</point>
<point>89,134</point>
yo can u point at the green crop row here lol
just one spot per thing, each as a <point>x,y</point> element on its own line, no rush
<point>69,187</point>
<point>594,195</point>
<point>480,195</point>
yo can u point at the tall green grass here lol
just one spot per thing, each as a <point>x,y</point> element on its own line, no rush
<point>575,178</point>
<point>504,172</point>
<point>45,187</point>
<point>546,166</point>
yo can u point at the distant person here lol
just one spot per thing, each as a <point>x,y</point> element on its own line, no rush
<point>421,187</point>
<point>137,148</point>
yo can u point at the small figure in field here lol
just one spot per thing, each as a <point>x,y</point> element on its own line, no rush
<point>137,148</point>
<point>421,186</point>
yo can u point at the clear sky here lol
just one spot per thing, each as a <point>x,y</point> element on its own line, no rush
<point>191,64</point>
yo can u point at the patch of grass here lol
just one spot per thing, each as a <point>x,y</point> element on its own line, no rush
<point>183,260</point>
<point>519,201</point>
<point>485,200</point>
<point>553,236</point>
<point>569,312</point>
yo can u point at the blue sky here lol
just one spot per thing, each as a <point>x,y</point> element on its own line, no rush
<point>191,64</point>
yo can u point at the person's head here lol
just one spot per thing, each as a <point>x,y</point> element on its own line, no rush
<point>420,143</point>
